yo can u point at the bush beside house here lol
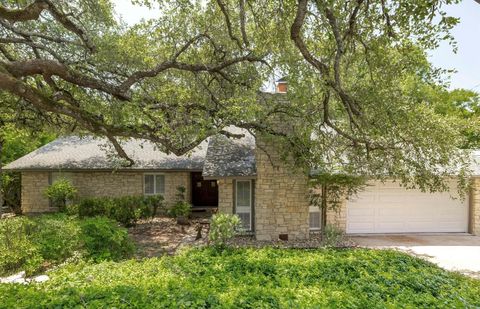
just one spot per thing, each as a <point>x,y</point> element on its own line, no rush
<point>127,209</point>
<point>36,243</point>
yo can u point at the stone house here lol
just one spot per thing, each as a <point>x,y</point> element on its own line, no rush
<point>245,176</point>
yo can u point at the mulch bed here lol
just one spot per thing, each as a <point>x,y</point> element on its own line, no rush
<point>162,235</point>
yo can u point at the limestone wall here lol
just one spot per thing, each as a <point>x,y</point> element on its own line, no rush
<point>225,196</point>
<point>33,186</point>
<point>281,201</point>
<point>97,184</point>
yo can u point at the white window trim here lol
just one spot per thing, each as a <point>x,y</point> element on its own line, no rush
<point>251,201</point>
<point>315,209</point>
<point>154,184</point>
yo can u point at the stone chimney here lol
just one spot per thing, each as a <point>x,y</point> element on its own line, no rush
<point>281,85</point>
<point>281,201</point>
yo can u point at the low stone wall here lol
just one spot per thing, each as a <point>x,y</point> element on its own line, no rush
<point>97,184</point>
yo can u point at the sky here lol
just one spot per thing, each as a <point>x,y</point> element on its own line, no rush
<point>466,61</point>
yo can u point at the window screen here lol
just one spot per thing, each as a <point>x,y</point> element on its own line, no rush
<point>315,218</point>
<point>243,203</point>
<point>154,184</point>
<point>149,184</point>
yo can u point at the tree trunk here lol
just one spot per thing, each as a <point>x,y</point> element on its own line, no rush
<point>324,208</point>
<point>1,176</point>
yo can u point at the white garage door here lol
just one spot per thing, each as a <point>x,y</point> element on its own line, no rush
<point>389,208</point>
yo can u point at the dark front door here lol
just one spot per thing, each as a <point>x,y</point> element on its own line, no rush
<point>204,192</point>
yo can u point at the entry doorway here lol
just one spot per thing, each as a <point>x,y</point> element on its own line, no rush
<point>204,192</point>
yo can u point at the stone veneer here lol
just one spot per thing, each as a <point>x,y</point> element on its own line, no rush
<point>33,186</point>
<point>96,184</point>
<point>281,196</point>
<point>225,195</point>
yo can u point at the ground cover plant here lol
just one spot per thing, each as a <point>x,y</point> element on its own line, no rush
<point>37,243</point>
<point>252,278</point>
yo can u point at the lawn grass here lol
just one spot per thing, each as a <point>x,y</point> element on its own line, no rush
<point>252,278</point>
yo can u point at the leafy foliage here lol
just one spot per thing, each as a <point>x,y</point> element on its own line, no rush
<point>104,240</point>
<point>328,190</point>
<point>126,210</point>
<point>222,228</point>
<point>181,208</point>
<point>33,244</point>
<point>61,191</point>
<point>253,278</point>
<point>359,78</point>
<point>332,236</point>
<point>15,142</point>
<point>464,106</point>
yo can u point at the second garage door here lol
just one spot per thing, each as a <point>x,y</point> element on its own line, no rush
<point>389,208</point>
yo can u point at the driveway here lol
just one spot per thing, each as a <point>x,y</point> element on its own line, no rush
<point>457,252</point>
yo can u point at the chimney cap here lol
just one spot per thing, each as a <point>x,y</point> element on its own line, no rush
<point>281,85</point>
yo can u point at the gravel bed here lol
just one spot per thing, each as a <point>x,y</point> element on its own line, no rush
<point>315,241</point>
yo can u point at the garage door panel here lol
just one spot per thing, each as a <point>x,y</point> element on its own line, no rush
<point>362,212</point>
<point>362,227</point>
<point>389,208</point>
<point>390,227</point>
<point>390,211</point>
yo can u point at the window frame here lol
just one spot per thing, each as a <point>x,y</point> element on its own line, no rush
<point>315,209</point>
<point>250,227</point>
<point>154,184</point>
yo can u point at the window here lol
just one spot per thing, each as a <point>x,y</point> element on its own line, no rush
<point>154,184</point>
<point>243,203</point>
<point>315,218</point>
<point>54,176</point>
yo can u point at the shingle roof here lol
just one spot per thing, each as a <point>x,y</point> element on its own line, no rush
<point>228,157</point>
<point>225,156</point>
<point>92,153</point>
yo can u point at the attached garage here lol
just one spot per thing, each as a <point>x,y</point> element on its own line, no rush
<point>390,208</point>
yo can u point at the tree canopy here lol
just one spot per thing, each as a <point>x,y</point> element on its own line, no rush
<point>361,90</point>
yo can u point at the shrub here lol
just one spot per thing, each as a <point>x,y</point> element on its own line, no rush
<point>10,187</point>
<point>31,244</point>
<point>105,240</point>
<point>18,251</point>
<point>332,236</point>
<point>57,237</point>
<point>223,227</point>
<point>181,208</point>
<point>153,202</point>
<point>126,210</point>
<point>95,206</point>
<point>60,192</point>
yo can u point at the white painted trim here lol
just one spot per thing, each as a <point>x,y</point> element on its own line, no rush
<point>154,183</point>
<point>250,200</point>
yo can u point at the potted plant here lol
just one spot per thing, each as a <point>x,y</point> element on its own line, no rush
<point>181,209</point>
